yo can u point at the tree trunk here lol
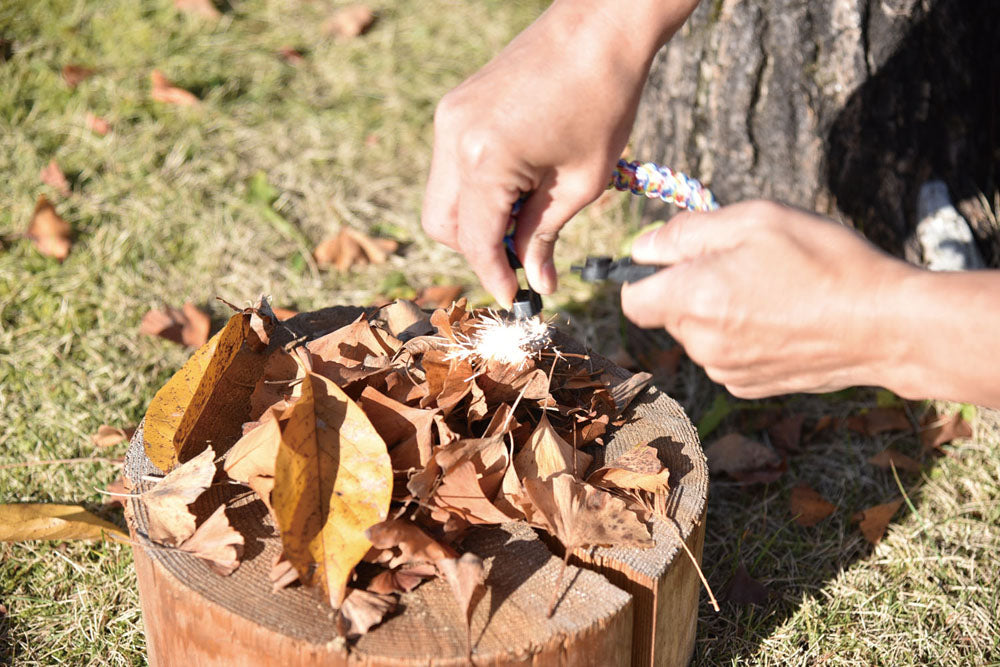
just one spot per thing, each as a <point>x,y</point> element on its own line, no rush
<point>844,107</point>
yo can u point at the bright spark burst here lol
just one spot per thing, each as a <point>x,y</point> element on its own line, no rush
<point>504,340</point>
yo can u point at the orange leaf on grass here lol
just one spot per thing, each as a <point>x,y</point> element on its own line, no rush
<point>74,75</point>
<point>890,457</point>
<point>349,21</point>
<point>875,520</point>
<point>203,8</point>
<point>880,420</point>
<point>54,177</point>
<point>49,233</point>
<point>188,326</point>
<point>107,436</point>
<point>943,430</point>
<point>97,125</point>
<point>349,248</point>
<point>808,506</point>
<point>291,55</point>
<point>438,296</point>
<point>743,459</point>
<point>333,480</point>
<point>165,91</point>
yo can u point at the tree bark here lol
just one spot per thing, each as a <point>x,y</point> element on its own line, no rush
<point>842,106</point>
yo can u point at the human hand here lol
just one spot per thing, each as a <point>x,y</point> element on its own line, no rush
<point>770,299</point>
<point>549,116</point>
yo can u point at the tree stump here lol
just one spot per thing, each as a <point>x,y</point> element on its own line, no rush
<point>616,606</point>
<point>844,107</point>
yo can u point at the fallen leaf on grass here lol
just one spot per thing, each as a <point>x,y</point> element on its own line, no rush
<point>217,543</point>
<point>41,521</point>
<point>54,177</point>
<point>203,8</point>
<point>350,247</point>
<point>890,457</point>
<point>188,326</point>
<point>349,21</point>
<point>169,521</point>
<point>97,125</point>
<point>637,469</point>
<point>944,430</point>
<point>743,589</point>
<point>786,433</point>
<point>363,610</point>
<point>333,480</point>
<point>880,420</point>
<point>108,436</point>
<point>74,75</point>
<point>808,506</point>
<point>165,91</point>
<point>438,296</point>
<point>875,520</point>
<point>177,406</point>
<point>291,55</point>
<point>743,459</point>
<point>49,232</point>
<point>118,490</point>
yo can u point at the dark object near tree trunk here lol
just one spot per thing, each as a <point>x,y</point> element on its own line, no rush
<point>844,107</point>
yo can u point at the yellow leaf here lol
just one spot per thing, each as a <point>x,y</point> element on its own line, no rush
<point>40,521</point>
<point>175,409</point>
<point>333,480</point>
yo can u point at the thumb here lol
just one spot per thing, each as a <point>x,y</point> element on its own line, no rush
<point>652,303</point>
<point>689,235</point>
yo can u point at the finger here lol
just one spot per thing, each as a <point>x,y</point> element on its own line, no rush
<point>439,214</point>
<point>688,235</point>
<point>482,222</point>
<point>656,301</point>
<point>538,224</point>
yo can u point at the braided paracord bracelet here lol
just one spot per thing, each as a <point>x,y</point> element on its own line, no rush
<point>656,182</point>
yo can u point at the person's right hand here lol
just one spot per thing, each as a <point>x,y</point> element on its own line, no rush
<point>549,115</point>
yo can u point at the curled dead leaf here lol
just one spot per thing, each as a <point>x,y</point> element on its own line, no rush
<point>188,326</point>
<point>49,233</point>
<point>637,469</point>
<point>216,542</point>
<point>940,431</point>
<point>108,436</point>
<point>363,610</point>
<point>168,518</point>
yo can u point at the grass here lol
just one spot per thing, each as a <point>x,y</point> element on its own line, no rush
<point>163,211</point>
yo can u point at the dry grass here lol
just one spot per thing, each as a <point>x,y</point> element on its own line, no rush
<point>163,211</point>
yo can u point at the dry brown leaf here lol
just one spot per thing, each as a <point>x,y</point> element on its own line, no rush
<point>203,8</point>
<point>414,544</point>
<point>169,521</point>
<point>163,90</point>
<point>49,233</point>
<point>363,610</point>
<point>407,431</point>
<point>108,436</point>
<point>333,479</point>
<point>465,576</point>
<point>74,75</point>
<point>117,491</point>
<point>743,589</point>
<point>189,326</point>
<point>890,457</point>
<point>255,453</point>
<point>580,515</point>
<point>402,580</point>
<point>404,319</point>
<point>216,542</point>
<point>625,392</point>
<point>438,296</point>
<point>281,372</point>
<point>282,573</point>
<point>740,457</point>
<point>291,55</point>
<point>177,406</point>
<point>875,520</point>
<point>349,21</point>
<point>808,506</point>
<point>20,522</point>
<point>637,469</point>
<point>944,430</point>
<point>284,313</point>
<point>880,420</point>
<point>350,247</point>
<point>97,125</point>
<point>786,433</point>
<point>461,492</point>
<point>546,454</point>
<point>54,177</point>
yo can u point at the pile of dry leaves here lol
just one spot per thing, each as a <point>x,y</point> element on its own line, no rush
<point>384,441</point>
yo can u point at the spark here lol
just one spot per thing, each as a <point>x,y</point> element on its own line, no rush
<point>502,340</point>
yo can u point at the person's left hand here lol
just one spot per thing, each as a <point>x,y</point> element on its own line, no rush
<point>770,299</point>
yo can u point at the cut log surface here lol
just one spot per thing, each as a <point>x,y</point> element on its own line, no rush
<point>617,606</point>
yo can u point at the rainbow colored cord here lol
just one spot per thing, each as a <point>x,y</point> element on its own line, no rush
<point>656,182</point>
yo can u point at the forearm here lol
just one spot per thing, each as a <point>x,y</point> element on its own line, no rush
<point>944,339</point>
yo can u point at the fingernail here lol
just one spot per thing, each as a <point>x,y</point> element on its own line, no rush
<point>642,243</point>
<point>545,282</point>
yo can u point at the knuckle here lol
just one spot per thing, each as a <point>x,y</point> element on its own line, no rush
<point>476,147</point>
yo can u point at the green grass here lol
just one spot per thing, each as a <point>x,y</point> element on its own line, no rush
<point>162,211</point>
